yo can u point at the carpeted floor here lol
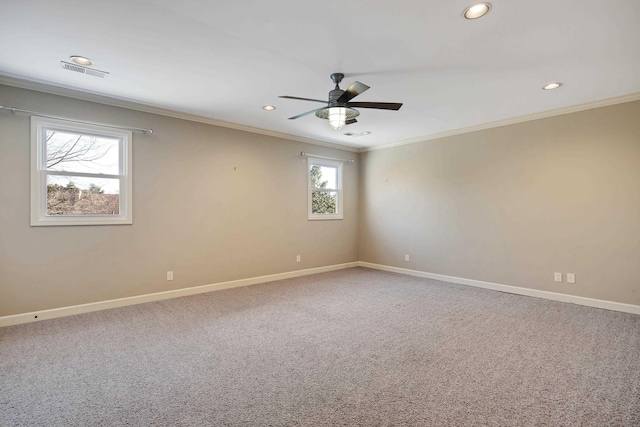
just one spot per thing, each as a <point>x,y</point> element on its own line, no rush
<point>355,347</point>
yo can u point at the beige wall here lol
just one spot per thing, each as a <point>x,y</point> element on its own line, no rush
<point>193,212</point>
<point>509,205</point>
<point>514,204</point>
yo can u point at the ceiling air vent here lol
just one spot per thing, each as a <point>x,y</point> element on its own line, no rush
<point>84,70</point>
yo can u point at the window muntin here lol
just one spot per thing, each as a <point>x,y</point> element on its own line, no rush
<point>325,189</point>
<point>81,174</point>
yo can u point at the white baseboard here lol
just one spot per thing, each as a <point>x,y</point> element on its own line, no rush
<point>139,299</point>
<point>589,302</point>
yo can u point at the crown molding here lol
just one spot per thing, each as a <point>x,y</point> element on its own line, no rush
<point>146,108</point>
<point>520,119</point>
<point>132,105</point>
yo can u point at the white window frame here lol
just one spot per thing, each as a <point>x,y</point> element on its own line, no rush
<point>311,161</point>
<point>39,173</point>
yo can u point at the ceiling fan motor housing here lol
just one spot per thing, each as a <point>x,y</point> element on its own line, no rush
<point>334,95</point>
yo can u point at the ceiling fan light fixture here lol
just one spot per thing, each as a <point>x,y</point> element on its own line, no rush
<point>337,116</point>
<point>477,10</point>
<point>269,108</point>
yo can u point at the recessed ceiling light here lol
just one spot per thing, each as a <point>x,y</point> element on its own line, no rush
<point>365,133</point>
<point>552,86</point>
<point>81,60</point>
<point>268,108</point>
<point>477,10</point>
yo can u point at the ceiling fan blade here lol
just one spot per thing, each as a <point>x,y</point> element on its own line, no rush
<point>354,90</point>
<point>303,99</point>
<point>304,114</point>
<point>350,121</point>
<point>378,105</point>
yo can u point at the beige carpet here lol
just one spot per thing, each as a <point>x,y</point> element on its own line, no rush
<point>356,347</point>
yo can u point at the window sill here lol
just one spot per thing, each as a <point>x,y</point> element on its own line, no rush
<point>71,221</point>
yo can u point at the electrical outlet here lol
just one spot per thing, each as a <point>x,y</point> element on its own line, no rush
<point>571,278</point>
<point>298,259</point>
<point>407,258</point>
<point>557,277</point>
<point>169,275</point>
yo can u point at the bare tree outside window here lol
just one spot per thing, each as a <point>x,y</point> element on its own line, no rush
<point>81,173</point>
<point>81,154</point>
<point>75,149</point>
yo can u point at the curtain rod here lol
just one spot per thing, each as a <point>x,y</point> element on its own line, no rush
<point>327,158</point>
<point>35,113</point>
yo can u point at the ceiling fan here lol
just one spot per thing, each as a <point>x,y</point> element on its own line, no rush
<point>339,110</point>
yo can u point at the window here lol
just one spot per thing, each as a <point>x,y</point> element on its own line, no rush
<point>80,174</point>
<point>325,189</point>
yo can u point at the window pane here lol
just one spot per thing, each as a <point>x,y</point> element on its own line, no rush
<point>72,195</point>
<point>324,202</point>
<point>75,152</point>
<point>323,176</point>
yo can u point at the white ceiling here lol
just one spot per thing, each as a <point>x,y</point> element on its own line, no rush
<point>224,60</point>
